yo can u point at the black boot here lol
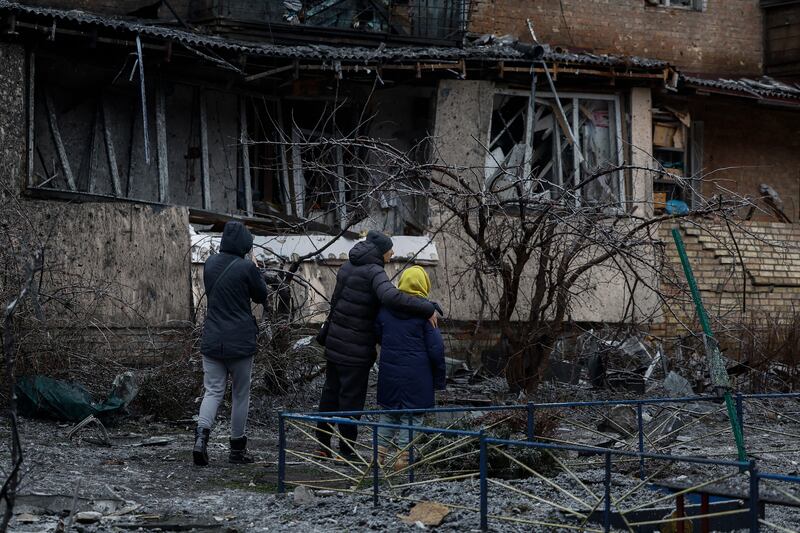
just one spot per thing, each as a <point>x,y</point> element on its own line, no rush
<point>200,451</point>
<point>239,453</point>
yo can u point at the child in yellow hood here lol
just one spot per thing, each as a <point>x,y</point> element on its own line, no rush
<point>411,364</point>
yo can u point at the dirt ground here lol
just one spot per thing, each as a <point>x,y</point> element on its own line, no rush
<point>146,481</point>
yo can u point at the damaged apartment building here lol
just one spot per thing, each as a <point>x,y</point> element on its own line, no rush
<point>143,126</point>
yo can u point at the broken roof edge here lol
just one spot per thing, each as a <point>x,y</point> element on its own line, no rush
<point>765,88</point>
<point>270,249</point>
<point>489,50</point>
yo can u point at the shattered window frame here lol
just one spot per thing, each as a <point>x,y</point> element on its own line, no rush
<point>573,104</point>
<point>689,5</point>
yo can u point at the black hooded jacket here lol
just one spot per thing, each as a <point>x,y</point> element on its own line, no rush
<point>362,287</point>
<point>230,329</point>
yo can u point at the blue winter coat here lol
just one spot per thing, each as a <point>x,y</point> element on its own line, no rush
<point>411,363</point>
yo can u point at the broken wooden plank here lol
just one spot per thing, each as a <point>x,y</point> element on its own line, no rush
<point>297,174</point>
<point>145,129</point>
<point>341,186</point>
<point>62,152</point>
<point>31,117</point>
<point>270,72</point>
<point>91,187</point>
<point>132,159</point>
<point>161,141</point>
<point>244,142</point>
<point>287,188</point>
<point>577,156</point>
<point>204,170</point>
<point>110,153</point>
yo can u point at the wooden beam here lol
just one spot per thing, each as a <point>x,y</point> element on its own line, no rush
<point>62,152</point>
<point>143,94</point>
<point>297,172</point>
<point>205,178</point>
<point>31,116</point>
<point>132,159</point>
<point>91,186</point>
<point>161,140</point>
<point>287,187</point>
<point>111,155</point>
<point>244,142</point>
<point>341,186</point>
<point>270,72</point>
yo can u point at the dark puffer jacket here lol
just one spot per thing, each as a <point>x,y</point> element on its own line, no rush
<point>362,287</point>
<point>230,329</point>
<point>412,361</point>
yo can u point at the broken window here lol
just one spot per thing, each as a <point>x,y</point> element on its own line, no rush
<point>264,157</point>
<point>697,5</point>
<point>323,177</point>
<point>95,129</point>
<point>678,150</point>
<point>547,146</point>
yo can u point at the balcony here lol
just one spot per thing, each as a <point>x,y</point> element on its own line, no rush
<point>346,21</point>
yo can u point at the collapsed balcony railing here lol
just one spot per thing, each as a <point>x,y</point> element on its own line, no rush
<point>370,473</point>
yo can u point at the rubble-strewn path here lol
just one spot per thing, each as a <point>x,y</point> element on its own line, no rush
<point>145,479</point>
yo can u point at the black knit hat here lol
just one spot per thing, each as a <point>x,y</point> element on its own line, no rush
<point>381,241</point>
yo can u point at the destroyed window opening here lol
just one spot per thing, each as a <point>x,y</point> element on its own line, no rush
<point>688,5</point>
<point>264,157</point>
<point>616,139</point>
<point>309,192</point>
<point>101,123</point>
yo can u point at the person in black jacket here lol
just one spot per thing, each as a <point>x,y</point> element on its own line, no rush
<point>362,287</point>
<point>229,338</point>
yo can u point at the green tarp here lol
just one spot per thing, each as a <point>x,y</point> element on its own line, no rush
<point>43,397</point>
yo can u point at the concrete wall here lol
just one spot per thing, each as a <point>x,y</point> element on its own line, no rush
<point>725,38</point>
<point>129,263</point>
<point>745,145</point>
<point>12,118</point>
<point>605,295</point>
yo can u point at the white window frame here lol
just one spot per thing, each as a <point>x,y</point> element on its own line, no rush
<point>575,96</point>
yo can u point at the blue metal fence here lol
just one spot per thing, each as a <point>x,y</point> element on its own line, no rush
<point>609,456</point>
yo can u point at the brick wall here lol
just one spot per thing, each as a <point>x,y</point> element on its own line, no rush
<point>724,38</point>
<point>770,288</point>
<point>745,145</point>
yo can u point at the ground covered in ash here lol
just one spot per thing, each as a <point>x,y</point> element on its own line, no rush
<point>145,479</point>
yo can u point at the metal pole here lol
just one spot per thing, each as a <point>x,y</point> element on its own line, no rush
<point>375,469</point>
<point>740,411</point>
<point>754,497</point>
<point>531,426</point>
<point>484,484</point>
<point>281,454</point>
<point>640,422</point>
<point>717,372</point>
<point>607,503</point>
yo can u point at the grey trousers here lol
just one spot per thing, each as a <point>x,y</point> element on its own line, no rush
<point>215,376</point>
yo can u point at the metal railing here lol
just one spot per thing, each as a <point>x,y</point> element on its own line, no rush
<point>366,473</point>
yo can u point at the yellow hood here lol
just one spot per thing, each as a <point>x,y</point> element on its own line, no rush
<point>415,281</point>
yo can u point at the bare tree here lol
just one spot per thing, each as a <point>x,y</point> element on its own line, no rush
<point>533,249</point>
